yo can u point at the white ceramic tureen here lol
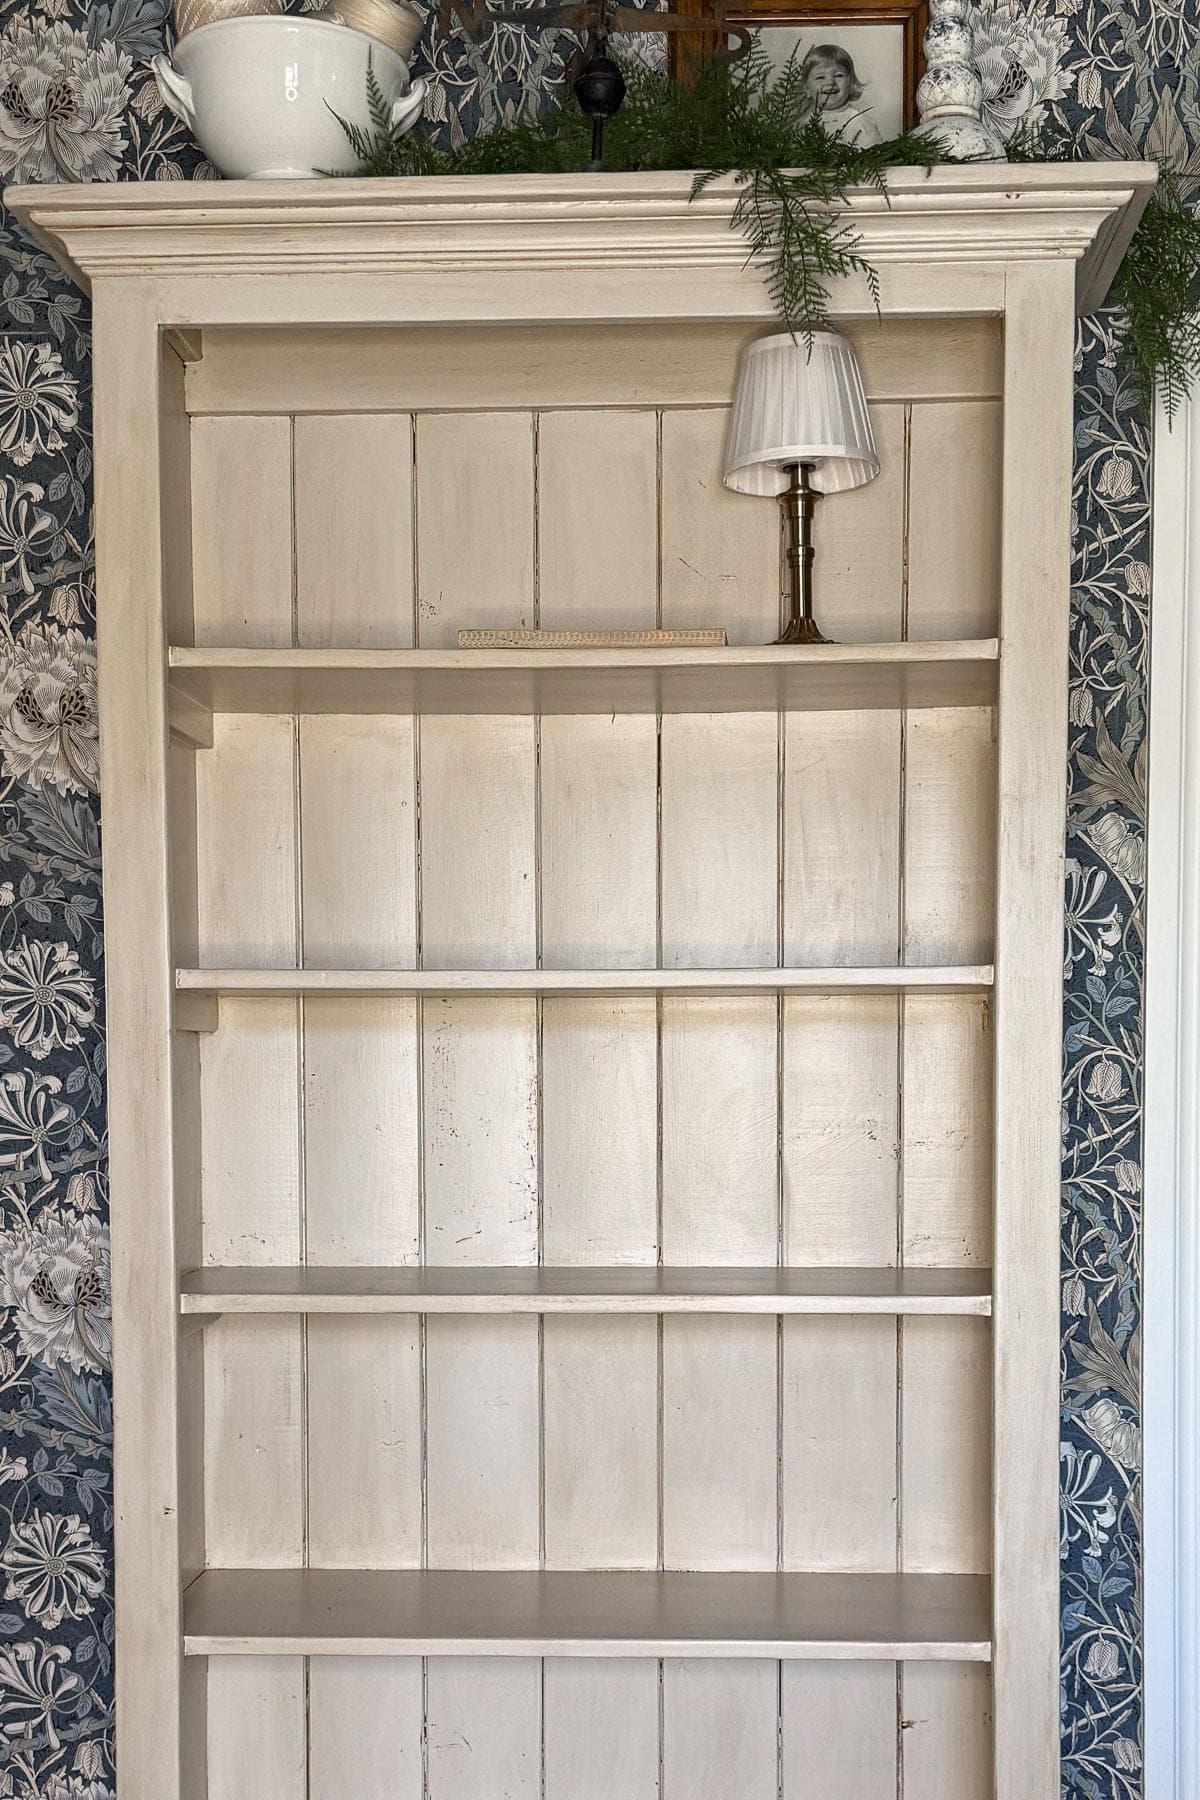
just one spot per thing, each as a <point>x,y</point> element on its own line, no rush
<point>263,96</point>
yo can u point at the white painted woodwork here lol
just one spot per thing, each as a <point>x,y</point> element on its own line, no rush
<point>601,1729</point>
<point>483,1728</point>
<point>839,1737</point>
<point>946,1732</point>
<point>740,678</point>
<point>744,979</point>
<point>256,1736</point>
<point>1171,1222</point>
<point>1027,1138</point>
<point>584,1124</point>
<point>364,1727</point>
<point>719,1730</point>
<point>609,363</point>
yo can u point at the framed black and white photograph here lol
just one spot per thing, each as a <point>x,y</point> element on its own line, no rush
<point>861,59</point>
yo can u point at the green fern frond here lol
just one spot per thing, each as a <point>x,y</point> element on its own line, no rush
<point>1158,288</point>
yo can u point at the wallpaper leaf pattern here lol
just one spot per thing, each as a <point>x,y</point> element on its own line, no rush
<point>77,102</point>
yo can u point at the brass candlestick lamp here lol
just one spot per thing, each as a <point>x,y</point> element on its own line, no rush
<point>799,427</point>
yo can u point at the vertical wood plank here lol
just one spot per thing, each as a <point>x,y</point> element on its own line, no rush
<point>597,519</point>
<point>363,1428</point>
<point>256,1728</point>
<point>484,1728</point>
<point>841,836</point>
<point>599,1069</point>
<point>720,550</point>
<point>720,1730</point>
<point>859,566</point>
<point>353,510</point>
<point>599,1130</point>
<point>1035,592</point>
<point>839,1444</point>
<point>475,548</point>
<point>719,1057</point>
<point>720,1443</point>
<point>161,1741</point>
<point>947,1183</point>
<point>364,1728</point>
<point>254,1416</point>
<point>254,1403</point>
<point>482,1437</point>
<point>601,1445</point>
<point>599,812</point>
<point>719,1151</point>
<point>946,1465</point>
<point>601,1729</point>
<point>954,548</point>
<point>242,530</point>
<point>188,1168</point>
<point>841,1129</point>
<point>949,835</point>
<point>841,888</point>
<point>360,1100</point>
<point>719,859</point>
<point>358,842</point>
<point>475,523</point>
<point>245,795</point>
<point>946,1734</point>
<point>478,889</point>
<point>839,1731</point>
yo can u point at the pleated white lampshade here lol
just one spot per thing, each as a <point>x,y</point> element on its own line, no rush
<point>799,400</point>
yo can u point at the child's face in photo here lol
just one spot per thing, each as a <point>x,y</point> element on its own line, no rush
<point>828,85</point>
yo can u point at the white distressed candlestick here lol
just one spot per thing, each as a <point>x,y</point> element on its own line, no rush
<point>950,94</point>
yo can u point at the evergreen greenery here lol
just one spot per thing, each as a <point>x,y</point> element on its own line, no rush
<point>742,120</point>
<point>1158,289</point>
<point>1157,286</point>
<point>738,120</point>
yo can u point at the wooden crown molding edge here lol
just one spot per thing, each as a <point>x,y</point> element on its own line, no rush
<point>538,224</point>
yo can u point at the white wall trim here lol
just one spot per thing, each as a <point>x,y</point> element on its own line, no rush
<point>1171,1242</point>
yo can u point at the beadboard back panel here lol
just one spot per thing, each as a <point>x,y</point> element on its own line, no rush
<point>614,1131</point>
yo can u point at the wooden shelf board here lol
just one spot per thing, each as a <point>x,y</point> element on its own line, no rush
<point>755,678</point>
<point>585,1290</point>
<point>401,1612</point>
<point>443,983</point>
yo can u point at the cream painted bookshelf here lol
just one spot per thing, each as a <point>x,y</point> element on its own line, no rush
<point>584,1126</point>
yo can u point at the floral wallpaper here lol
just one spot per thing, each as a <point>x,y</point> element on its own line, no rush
<point>77,103</point>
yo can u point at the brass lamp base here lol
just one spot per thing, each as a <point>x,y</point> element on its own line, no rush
<point>802,630</point>
<point>797,501</point>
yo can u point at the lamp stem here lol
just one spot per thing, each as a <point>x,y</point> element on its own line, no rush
<point>797,501</point>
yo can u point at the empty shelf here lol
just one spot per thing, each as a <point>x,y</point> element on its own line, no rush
<point>585,1290</point>
<point>366,1612</point>
<point>756,678</point>
<point>443,983</point>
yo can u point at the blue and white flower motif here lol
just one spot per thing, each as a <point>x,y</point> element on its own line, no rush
<point>39,401</point>
<point>46,1000</point>
<point>54,1570</point>
<point>62,104</point>
<point>49,731</point>
<point>56,1279</point>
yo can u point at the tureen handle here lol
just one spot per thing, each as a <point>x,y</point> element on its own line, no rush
<point>175,89</point>
<point>407,109</point>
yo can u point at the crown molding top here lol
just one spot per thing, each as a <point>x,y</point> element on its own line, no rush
<point>982,213</point>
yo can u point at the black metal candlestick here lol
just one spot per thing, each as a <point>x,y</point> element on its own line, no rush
<point>599,89</point>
